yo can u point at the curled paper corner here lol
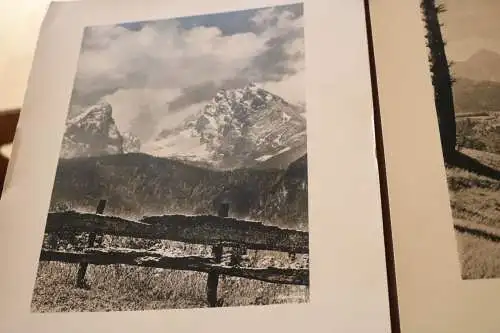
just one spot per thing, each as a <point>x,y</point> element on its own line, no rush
<point>11,150</point>
<point>6,150</point>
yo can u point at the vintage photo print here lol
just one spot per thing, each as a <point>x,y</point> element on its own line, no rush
<point>463,39</point>
<point>182,177</point>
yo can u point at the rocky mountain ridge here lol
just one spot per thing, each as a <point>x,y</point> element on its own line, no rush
<point>94,133</point>
<point>237,128</point>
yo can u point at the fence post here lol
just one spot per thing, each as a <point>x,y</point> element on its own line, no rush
<point>82,269</point>
<point>213,278</point>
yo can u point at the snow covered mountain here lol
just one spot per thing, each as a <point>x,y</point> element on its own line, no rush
<point>94,132</point>
<point>237,128</point>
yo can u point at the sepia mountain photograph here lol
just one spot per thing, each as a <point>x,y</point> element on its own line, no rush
<point>182,179</point>
<point>463,40</point>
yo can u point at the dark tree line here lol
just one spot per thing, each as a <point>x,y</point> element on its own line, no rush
<point>441,77</point>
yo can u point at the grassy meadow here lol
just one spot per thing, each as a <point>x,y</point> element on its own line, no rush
<point>132,288</point>
<point>475,196</point>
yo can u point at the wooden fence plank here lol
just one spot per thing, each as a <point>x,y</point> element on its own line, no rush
<point>82,269</point>
<point>187,263</point>
<point>210,230</point>
<point>213,278</point>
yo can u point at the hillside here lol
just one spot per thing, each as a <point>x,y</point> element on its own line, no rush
<point>288,197</point>
<point>477,86</point>
<point>483,65</point>
<point>138,184</point>
<point>283,160</point>
<point>472,96</point>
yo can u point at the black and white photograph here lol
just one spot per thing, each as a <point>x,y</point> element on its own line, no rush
<point>463,41</point>
<point>182,178</point>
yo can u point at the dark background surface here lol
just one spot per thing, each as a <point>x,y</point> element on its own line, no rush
<point>8,124</point>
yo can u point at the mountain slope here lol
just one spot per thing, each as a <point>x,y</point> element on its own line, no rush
<point>483,65</point>
<point>139,184</point>
<point>289,196</point>
<point>94,132</point>
<point>476,96</point>
<point>283,160</point>
<point>237,128</point>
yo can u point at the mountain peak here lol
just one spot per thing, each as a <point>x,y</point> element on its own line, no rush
<point>101,107</point>
<point>252,86</point>
<point>237,92</point>
<point>94,132</point>
<point>484,65</point>
<point>483,54</point>
<point>99,111</point>
<point>237,128</point>
<point>248,98</point>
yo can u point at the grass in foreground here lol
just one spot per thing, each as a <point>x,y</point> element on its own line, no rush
<point>129,288</point>
<point>475,199</point>
<point>480,258</point>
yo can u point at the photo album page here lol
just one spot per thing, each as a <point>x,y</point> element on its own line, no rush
<point>438,71</point>
<point>184,166</point>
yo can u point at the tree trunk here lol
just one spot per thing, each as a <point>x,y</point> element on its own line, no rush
<point>441,78</point>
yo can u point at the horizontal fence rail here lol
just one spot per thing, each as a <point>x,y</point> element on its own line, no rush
<point>216,231</point>
<point>187,263</point>
<point>209,230</point>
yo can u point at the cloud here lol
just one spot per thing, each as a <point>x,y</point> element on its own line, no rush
<point>162,67</point>
<point>139,110</point>
<point>470,26</point>
<point>205,91</point>
<point>290,87</point>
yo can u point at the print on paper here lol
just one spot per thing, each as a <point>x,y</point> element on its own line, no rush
<point>182,178</point>
<point>463,39</point>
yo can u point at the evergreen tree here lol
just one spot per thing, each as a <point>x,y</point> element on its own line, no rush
<point>441,77</point>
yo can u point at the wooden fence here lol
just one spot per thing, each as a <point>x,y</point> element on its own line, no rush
<point>217,231</point>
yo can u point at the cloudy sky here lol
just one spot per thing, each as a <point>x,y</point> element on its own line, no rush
<point>471,25</point>
<point>156,73</point>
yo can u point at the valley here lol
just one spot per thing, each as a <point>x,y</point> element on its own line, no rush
<point>138,184</point>
<point>246,146</point>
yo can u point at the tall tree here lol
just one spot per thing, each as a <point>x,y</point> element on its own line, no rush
<point>441,77</point>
